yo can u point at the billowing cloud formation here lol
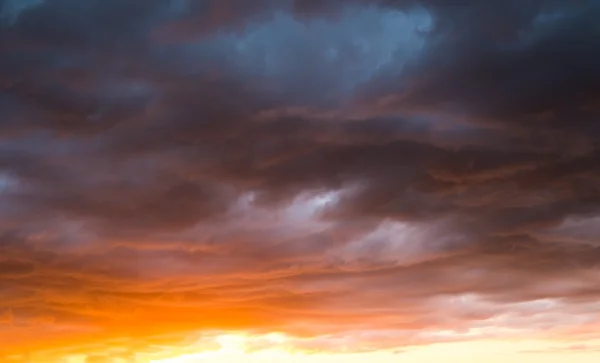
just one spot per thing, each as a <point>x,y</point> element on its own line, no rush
<point>314,167</point>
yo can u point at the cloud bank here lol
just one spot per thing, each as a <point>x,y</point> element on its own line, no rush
<point>312,167</point>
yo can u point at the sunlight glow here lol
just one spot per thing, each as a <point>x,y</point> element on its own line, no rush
<point>233,349</point>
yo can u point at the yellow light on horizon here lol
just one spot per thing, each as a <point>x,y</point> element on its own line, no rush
<point>278,347</point>
<point>234,348</point>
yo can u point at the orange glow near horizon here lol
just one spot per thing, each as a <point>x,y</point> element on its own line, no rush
<point>277,347</point>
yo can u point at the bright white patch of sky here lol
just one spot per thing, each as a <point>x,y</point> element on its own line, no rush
<point>402,243</point>
<point>307,207</point>
<point>491,351</point>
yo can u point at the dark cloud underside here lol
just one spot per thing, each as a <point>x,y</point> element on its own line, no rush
<point>276,164</point>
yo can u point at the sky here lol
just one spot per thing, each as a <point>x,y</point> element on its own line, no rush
<point>309,181</point>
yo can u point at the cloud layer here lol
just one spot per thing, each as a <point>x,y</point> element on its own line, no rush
<point>312,167</point>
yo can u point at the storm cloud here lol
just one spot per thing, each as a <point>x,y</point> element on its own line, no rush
<point>407,166</point>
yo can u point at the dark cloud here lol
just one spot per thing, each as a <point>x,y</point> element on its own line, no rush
<point>540,74</point>
<point>413,166</point>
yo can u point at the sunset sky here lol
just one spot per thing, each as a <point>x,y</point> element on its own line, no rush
<point>299,181</point>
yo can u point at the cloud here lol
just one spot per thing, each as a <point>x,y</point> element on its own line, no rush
<point>11,268</point>
<point>316,168</point>
<point>11,9</point>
